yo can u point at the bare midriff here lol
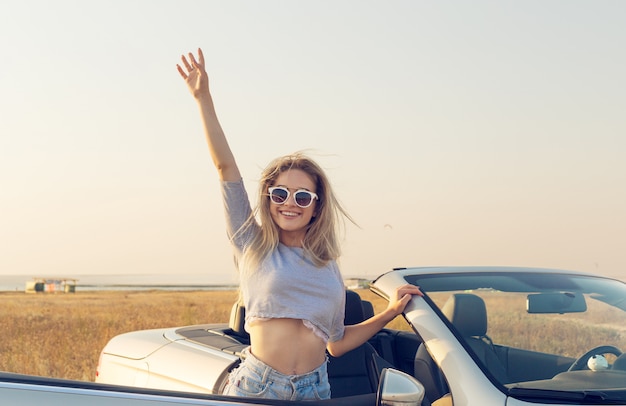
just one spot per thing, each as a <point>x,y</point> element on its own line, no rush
<point>287,345</point>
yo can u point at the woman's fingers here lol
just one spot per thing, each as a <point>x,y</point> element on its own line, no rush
<point>190,63</point>
<point>201,57</point>
<point>181,71</point>
<point>186,63</point>
<point>409,289</point>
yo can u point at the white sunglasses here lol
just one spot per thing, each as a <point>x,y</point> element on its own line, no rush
<point>302,197</point>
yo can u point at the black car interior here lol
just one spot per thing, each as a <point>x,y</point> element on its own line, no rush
<point>354,373</point>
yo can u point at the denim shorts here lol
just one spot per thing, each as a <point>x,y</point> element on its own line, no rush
<point>254,378</point>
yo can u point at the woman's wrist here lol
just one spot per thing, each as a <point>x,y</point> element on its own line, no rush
<point>203,96</point>
<point>388,314</point>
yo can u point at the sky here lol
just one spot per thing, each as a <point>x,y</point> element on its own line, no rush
<point>454,133</point>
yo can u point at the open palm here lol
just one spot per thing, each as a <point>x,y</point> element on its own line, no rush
<point>195,74</point>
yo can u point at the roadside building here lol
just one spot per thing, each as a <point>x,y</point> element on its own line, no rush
<point>51,285</point>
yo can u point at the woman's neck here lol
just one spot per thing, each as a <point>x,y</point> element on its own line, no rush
<point>291,239</point>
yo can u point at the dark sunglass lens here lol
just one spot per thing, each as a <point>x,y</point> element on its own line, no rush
<point>279,195</point>
<point>303,198</point>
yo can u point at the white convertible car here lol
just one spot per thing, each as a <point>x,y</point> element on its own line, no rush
<point>481,336</point>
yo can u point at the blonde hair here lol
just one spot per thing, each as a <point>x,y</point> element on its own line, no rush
<point>321,242</point>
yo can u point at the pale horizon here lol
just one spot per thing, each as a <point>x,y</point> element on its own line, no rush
<point>482,133</point>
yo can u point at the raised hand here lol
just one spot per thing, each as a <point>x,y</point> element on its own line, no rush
<point>195,75</point>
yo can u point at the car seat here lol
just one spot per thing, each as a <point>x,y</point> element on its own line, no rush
<point>237,322</point>
<point>468,314</point>
<point>357,371</point>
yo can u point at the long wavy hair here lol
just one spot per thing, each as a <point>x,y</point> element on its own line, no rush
<point>321,242</point>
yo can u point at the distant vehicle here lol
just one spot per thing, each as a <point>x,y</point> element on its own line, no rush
<point>481,336</point>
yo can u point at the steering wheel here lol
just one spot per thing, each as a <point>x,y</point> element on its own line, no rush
<point>581,362</point>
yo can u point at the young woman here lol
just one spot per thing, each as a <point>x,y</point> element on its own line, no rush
<point>290,282</point>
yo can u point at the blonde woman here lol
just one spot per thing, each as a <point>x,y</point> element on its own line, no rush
<point>290,282</point>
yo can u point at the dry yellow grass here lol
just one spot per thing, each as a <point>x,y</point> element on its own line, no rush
<point>61,335</point>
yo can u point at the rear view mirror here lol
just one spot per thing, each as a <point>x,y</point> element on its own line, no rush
<point>399,389</point>
<point>556,302</point>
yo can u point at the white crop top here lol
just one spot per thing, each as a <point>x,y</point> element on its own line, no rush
<point>287,284</point>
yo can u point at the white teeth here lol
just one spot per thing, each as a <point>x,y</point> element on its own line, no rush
<point>289,213</point>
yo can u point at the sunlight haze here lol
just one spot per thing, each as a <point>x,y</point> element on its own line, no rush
<point>455,133</point>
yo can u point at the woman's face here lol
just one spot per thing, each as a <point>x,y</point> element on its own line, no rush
<point>291,219</point>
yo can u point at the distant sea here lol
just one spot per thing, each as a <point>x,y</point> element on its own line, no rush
<point>13,283</point>
<point>182,282</point>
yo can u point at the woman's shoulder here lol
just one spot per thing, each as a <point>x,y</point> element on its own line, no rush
<point>232,183</point>
<point>233,189</point>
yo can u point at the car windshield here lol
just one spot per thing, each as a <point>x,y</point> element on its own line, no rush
<point>560,334</point>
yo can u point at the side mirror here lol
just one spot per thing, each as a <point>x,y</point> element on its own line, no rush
<point>399,389</point>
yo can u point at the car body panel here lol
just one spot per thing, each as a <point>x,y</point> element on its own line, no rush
<point>32,391</point>
<point>138,344</point>
<point>138,372</point>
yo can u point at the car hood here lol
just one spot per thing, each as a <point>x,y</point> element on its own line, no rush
<point>137,345</point>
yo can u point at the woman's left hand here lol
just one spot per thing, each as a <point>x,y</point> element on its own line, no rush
<point>401,298</point>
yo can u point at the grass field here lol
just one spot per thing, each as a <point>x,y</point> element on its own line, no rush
<point>61,335</point>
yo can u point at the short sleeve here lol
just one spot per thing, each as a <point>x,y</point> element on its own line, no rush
<point>239,226</point>
<point>338,328</point>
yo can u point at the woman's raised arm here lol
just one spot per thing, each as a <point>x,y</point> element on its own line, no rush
<point>197,81</point>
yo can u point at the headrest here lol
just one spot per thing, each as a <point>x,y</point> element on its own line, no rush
<point>368,309</point>
<point>467,313</point>
<point>354,309</point>
<point>238,320</point>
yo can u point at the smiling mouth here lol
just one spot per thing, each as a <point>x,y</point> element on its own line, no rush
<point>289,214</point>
